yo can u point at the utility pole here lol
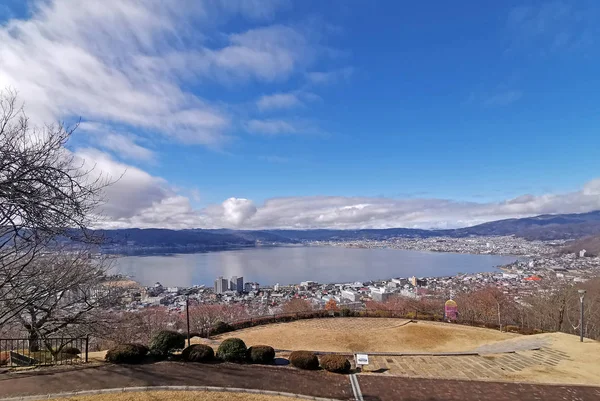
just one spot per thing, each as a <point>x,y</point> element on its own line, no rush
<point>581,296</point>
<point>187,315</point>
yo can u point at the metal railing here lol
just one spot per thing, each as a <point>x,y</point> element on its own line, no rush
<point>19,352</point>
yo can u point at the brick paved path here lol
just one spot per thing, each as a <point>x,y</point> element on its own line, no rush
<point>469,367</point>
<point>514,345</point>
<point>321,384</point>
<point>377,388</point>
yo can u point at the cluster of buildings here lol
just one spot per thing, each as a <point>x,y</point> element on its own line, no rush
<point>235,285</point>
<point>501,245</point>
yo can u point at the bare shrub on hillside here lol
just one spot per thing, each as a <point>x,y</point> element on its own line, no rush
<point>203,317</point>
<point>297,305</point>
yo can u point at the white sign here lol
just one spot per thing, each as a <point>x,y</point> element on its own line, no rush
<point>361,359</point>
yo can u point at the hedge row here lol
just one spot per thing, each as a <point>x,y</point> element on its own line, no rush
<point>308,360</point>
<point>230,350</point>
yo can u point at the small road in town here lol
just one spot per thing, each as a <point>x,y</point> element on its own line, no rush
<point>282,379</point>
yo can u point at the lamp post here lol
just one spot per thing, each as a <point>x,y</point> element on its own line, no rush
<point>581,296</point>
<point>187,316</point>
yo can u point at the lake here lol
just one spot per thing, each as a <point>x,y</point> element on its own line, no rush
<point>293,264</point>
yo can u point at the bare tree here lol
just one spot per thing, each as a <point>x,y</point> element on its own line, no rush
<point>77,292</point>
<point>203,317</point>
<point>297,305</point>
<point>46,196</point>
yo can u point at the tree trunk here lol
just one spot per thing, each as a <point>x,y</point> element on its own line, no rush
<point>561,315</point>
<point>34,341</point>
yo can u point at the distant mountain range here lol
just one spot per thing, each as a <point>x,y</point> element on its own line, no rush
<point>543,227</point>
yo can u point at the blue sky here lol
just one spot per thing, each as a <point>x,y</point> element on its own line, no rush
<point>303,114</point>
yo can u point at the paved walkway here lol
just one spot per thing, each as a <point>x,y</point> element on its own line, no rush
<point>176,374</point>
<point>318,384</point>
<point>469,367</point>
<point>514,345</point>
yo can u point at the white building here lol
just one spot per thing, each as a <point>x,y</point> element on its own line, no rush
<point>221,285</point>
<point>379,294</point>
<point>350,295</point>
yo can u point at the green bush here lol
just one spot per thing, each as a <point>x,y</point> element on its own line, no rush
<point>221,327</point>
<point>335,363</point>
<point>70,351</point>
<point>304,360</point>
<point>261,354</point>
<point>198,353</point>
<point>126,353</point>
<point>232,350</point>
<point>345,312</point>
<point>166,341</point>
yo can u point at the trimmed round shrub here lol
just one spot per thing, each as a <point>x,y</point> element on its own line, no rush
<point>166,341</point>
<point>261,354</point>
<point>232,350</point>
<point>335,363</point>
<point>304,360</point>
<point>198,353</point>
<point>221,327</point>
<point>127,353</point>
<point>70,351</point>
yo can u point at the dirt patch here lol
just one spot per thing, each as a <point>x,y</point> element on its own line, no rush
<point>367,335</point>
<point>176,395</point>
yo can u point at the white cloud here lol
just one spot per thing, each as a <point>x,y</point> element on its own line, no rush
<point>329,77</point>
<point>123,145</point>
<point>366,212</point>
<point>126,147</point>
<point>271,127</point>
<point>136,198</point>
<point>286,100</point>
<point>127,62</point>
<point>151,202</point>
<point>237,211</point>
<point>274,127</point>
<point>278,101</point>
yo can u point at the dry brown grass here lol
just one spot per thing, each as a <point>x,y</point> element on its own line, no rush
<point>581,367</point>
<point>176,395</point>
<point>368,335</point>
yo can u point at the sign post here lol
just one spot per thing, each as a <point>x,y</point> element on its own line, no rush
<point>361,360</point>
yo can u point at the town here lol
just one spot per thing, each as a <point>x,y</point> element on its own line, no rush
<point>537,264</point>
<point>497,245</point>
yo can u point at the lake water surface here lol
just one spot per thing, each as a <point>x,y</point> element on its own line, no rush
<point>293,264</point>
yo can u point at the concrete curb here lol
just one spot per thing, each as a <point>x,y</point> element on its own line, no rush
<point>468,353</point>
<point>164,388</point>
